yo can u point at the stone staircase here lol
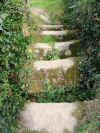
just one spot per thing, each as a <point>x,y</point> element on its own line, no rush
<point>52,117</point>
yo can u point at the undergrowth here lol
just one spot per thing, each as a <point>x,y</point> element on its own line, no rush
<point>53,55</point>
<point>83,16</point>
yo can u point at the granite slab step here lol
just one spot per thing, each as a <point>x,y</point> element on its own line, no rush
<point>56,72</point>
<point>63,64</point>
<point>51,117</point>
<point>62,47</point>
<point>51,27</point>
<point>55,33</point>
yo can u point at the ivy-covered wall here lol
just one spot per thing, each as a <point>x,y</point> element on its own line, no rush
<point>12,57</point>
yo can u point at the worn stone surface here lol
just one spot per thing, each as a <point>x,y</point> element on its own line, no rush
<point>55,33</point>
<point>44,46</point>
<point>62,47</point>
<point>63,64</point>
<point>43,49</point>
<point>51,27</point>
<point>52,117</point>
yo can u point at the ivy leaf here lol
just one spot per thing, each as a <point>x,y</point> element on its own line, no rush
<point>1,28</point>
<point>1,21</point>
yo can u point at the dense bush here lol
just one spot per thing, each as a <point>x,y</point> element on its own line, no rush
<point>83,16</point>
<point>12,56</point>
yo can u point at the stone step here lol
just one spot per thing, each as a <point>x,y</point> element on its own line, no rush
<point>50,117</point>
<point>58,73</point>
<point>64,35</point>
<point>51,27</point>
<point>41,50</point>
<point>63,64</point>
<point>55,33</point>
<point>62,47</point>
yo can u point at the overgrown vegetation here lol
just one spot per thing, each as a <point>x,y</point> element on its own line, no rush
<point>84,17</point>
<point>66,93</point>
<point>12,57</point>
<point>53,55</point>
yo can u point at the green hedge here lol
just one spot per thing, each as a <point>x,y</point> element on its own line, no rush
<point>12,57</point>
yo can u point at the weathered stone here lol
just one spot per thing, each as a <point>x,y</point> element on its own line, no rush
<point>51,27</point>
<point>45,47</point>
<point>55,33</point>
<point>62,47</point>
<point>52,117</point>
<point>63,64</point>
<point>58,73</point>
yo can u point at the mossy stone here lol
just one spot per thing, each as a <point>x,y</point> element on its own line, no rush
<point>80,111</point>
<point>74,47</point>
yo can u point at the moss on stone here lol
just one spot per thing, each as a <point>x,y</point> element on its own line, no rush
<point>25,130</point>
<point>28,131</point>
<point>56,77</point>
<point>80,111</point>
<point>66,131</point>
<point>72,73</point>
<point>70,35</point>
<point>74,47</point>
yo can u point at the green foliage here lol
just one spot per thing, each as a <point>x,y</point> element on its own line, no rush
<point>67,93</point>
<point>47,39</point>
<point>53,55</point>
<point>83,16</point>
<point>90,127</point>
<point>12,57</point>
<point>91,123</point>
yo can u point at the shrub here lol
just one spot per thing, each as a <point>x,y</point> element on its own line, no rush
<point>12,56</point>
<point>83,16</point>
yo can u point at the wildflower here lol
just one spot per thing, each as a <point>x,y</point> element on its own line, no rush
<point>61,78</point>
<point>70,81</point>
<point>45,74</point>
